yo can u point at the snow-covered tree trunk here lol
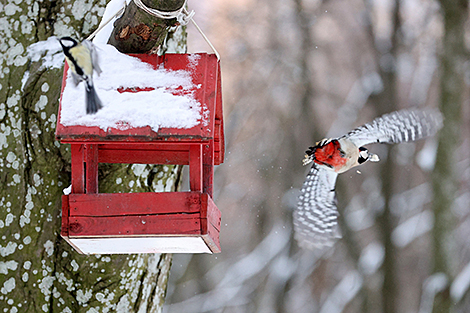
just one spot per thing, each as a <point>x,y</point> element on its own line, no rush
<point>39,271</point>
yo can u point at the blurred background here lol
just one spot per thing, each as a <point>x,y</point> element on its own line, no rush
<point>294,72</point>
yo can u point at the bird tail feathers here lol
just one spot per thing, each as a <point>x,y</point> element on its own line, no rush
<point>93,103</point>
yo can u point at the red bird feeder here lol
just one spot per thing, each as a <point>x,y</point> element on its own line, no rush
<point>149,222</point>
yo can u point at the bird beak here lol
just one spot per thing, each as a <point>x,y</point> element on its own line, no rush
<point>374,157</point>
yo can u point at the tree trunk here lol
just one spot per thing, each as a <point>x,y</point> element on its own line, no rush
<point>386,102</point>
<point>39,271</point>
<point>445,180</point>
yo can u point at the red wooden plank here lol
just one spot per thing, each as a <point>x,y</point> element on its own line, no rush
<point>212,239</point>
<point>208,168</point>
<point>204,221</point>
<point>219,142</point>
<point>130,156</point>
<point>171,224</point>
<point>147,145</point>
<point>195,168</point>
<point>114,204</point>
<point>219,108</point>
<point>145,131</point>
<point>64,232</point>
<point>219,137</point>
<point>211,228</point>
<point>78,171</point>
<point>207,73</point>
<point>91,159</point>
<point>213,213</point>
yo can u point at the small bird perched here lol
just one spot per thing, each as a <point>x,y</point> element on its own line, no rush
<point>82,59</point>
<point>315,218</point>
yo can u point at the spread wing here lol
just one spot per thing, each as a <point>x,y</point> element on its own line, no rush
<point>399,126</point>
<point>315,218</point>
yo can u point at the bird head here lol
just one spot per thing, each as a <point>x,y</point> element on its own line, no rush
<point>365,155</point>
<point>67,42</point>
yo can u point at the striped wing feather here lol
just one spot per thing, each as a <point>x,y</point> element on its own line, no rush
<point>399,126</point>
<point>315,219</point>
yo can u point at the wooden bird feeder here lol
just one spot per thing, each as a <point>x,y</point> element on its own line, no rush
<point>149,222</point>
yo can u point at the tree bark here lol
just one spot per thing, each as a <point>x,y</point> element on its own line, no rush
<point>39,271</point>
<point>445,178</point>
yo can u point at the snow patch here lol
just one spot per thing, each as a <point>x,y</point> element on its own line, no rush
<point>67,190</point>
<point>27,265</point>
<point>461,284</point>
<point>27,240</point>
<point>75,265</point>
<point>84,297</point>
<point>10,248</point>
<point>372,258</point>
<point>412,228</point>
<point>49,247</point>
<point>156,108</point>
<point>431,286</point>
<point>426,158</point>
<point>6,266</point>
<point>8,286</point>
<point>49,51</point>
<point>344,292</point>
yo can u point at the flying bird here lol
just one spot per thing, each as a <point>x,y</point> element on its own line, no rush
<point>82,59</point>
<point>315,218</point>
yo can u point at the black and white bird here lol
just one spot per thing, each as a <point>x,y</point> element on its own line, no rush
<point>315,218</point>
<point>82,59</point>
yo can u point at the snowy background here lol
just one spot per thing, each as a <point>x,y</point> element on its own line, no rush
<point>293,73</point>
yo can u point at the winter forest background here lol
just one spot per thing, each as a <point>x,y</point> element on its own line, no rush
<point>293,72</point>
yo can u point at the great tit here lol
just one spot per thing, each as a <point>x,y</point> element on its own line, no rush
<point>82,59</point>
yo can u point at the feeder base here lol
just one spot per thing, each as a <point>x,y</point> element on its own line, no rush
<point>150,222</point>
<point>130,245</point>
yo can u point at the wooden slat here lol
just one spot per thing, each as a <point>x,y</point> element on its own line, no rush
<point>147,145</point>
<point>144,203</point>
<point>213,213</point>
<point>78,170</point>
<point>212,239</point>
<point>170,224</point>
<point>91,159</point>
<point>64,231</point>
<point>219,142</point>
<point>219,138</point>
<point>208,168</point>
<point>130,156</point>
<point>195,168</point>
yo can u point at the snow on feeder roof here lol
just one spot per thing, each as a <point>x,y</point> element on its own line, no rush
<point>149,95</point>
<point>168,102</point>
